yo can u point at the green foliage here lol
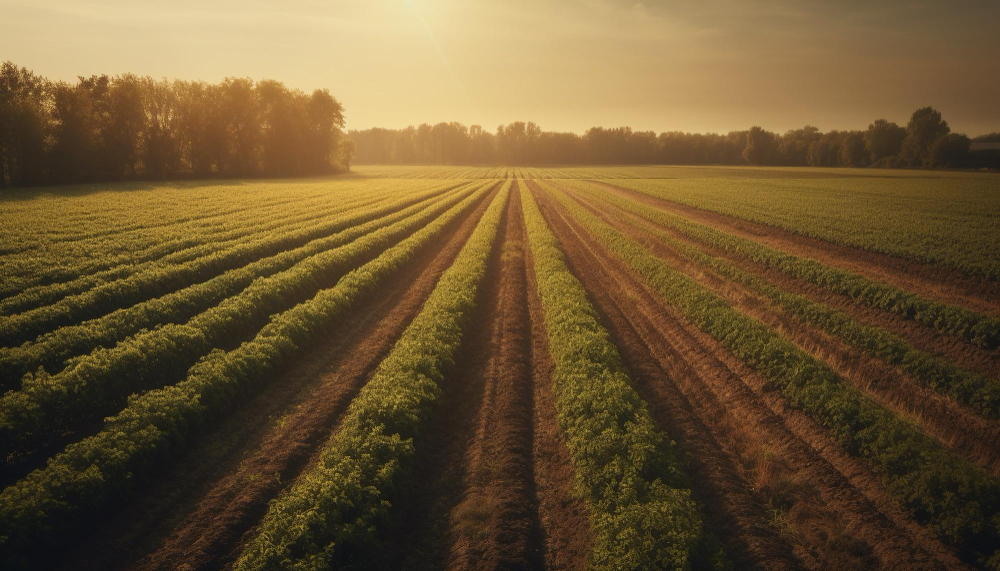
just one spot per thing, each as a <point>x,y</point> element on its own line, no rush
<point>974,327</point>
<point>332,515</point>
<point>977,391</point>
<point>957,500</point>
<point>97,384</point>
<point>75,485</point>
<point>51,350</point>
<point>642,510</point>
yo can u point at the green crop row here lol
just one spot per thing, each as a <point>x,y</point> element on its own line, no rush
<point>977,391</point>
<point>159,280</point>
<point>337,507</point>
<point>200,244</point>
<point>97,384</point>
<point>52,349</point>
<point>110,252</point>
<point>979,329</point>
<point>960,502</point>
<point>642,511</point>
<point>77,484</point>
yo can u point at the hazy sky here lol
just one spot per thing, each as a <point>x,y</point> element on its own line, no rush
<point>713,65</point>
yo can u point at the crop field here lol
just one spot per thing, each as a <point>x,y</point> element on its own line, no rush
<point>436,367</point>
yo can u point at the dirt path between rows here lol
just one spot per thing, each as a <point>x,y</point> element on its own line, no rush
<point>953,424</point>
<point>474,503</point>
<point>746,448</point>
<point>966,355</point>
<point>197,514</point>
<point>933,282</point>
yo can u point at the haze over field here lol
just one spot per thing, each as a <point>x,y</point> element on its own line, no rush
<point>708,66</point>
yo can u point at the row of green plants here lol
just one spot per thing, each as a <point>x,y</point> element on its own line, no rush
<point>77,485</point>
<point>51,350</point>
<point>333,513</point>
<point>98,384</point>
<point>161,279</point>
<point>133,238</point>
<point>971,326</point>
<point>199,243</point>
<point>959,501</point>
<point>977,391</point>
<point>643,516</point>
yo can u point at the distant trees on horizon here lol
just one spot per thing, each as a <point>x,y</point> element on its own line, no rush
<point>926,141</point>
<point>127,127</point>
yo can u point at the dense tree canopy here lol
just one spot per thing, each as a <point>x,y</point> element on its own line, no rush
<point>883,144</point>
<point>127,127</point>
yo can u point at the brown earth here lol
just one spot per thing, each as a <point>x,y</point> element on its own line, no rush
<point>933,282</point>
<point>474,502</point>
<point>965,355</point>
<point>829,506</point>
<point>196,514</point>
<point>955,425</point>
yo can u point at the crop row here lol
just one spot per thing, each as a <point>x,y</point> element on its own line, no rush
<point>977,391</point>
<point>195,245</point>
<point>97,384</point>
<point>958,501</point>
<point>52,349</point>
<point>159,280</point>
<point>77,484</point>
<point>641,506</point>
<point>113,246</point>
<point>336,508</point>
<point>85,218</point>
<point>979,329</point>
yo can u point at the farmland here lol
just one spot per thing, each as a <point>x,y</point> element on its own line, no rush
<point>427,367</point>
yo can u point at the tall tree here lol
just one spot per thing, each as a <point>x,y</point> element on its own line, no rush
<point>883,139</point>
<point>23,125</point>
<point>925,127</point>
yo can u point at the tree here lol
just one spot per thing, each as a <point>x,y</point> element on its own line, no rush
<point>951,150</point>
<point>883,139</point>
<point>852,149</point>
<point>761,147</point>
<point>925,127</point>
<point>74,133</point>
<point>23,124</point>
<point>793,147</point>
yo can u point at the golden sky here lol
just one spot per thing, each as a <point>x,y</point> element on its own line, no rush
<point>713,65</point>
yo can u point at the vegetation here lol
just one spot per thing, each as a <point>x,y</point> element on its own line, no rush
<point>76,484</point>
<point>331,517</point>
<point>926,141</point>
<point>288,373</point>
<point>957,500</point>
<point>642,510</point>
<point>128,127</point>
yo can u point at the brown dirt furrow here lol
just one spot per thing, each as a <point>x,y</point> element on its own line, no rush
<point>495,524</point>
<point>934,282</point>
<point>925,338</point>
<point>955,425</point>
<point>196,514</point>
<point>830,506</point>
<point>473,502</point>
<point>564,516</point>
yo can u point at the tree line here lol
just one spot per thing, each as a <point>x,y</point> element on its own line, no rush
<point>925,141</point>
<point>127,127</point>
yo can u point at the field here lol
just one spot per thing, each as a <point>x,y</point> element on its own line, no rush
<point>504,367</point>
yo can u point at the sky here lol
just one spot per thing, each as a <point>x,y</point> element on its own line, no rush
<point>706,66</point>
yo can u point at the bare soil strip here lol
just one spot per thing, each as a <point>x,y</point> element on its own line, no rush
<point>473,502</point>
<point>830,506</point>
<point>955,425</point>
<point>564,516</point>
<point>934,282</point>
<point>196,514</point>
<point>965,355</point>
